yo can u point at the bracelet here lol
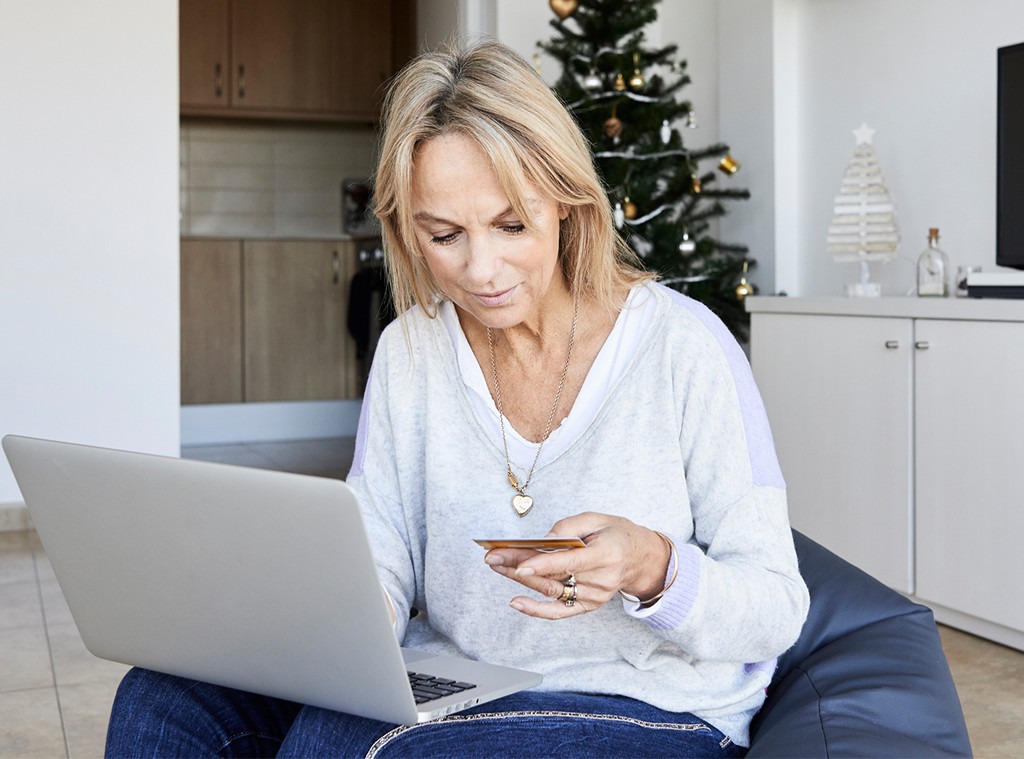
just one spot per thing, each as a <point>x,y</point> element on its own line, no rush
<point>673,558</point>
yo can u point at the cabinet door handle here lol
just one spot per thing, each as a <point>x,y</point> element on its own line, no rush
<point>218,81</point>
<point>922,345</point>
<point>892,344</point>
<point>241,80</point>
<point>336,266</point>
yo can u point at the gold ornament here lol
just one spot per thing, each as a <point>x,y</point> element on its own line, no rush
<point>637,81</point>
<point>728,165</point>
<point>564,8</point>
<point>629,208</point>
<point>695,184</point>
<point>620,83</point>
<point>744,288</point>
<point>613,126</point>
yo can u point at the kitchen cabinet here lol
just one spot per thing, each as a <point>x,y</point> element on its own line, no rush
<point>970,503</point>
<point>839,402</point>
<point>291,59</point>
<point>266,321</point>
<point>897,425</point>
<point>297,345</point>
<point>211,321</point>
<point>204,64</point>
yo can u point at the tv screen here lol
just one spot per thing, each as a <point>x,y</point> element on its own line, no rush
<point>1010,158</point>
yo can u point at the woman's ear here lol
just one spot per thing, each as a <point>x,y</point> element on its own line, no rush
<point>563,212</point>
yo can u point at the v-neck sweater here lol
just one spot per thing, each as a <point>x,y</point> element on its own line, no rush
<point>669,432</point>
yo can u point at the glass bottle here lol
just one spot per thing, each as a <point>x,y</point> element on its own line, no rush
<point>933,269</point>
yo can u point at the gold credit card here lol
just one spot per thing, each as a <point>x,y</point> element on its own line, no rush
<point>535,544</point>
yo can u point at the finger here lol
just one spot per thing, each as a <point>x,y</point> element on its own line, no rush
<point>580,525</point>
<point>508,557</point>
<point>552,587</point>
<point>560,564</point>
<point>547,609</point>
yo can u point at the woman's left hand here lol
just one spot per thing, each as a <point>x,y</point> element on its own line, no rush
<point>620,555</point>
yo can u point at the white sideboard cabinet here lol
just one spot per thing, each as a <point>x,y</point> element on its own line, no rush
<point>899,423</point>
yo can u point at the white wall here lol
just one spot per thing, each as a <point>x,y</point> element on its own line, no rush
<point>921,72</point>
<point>89,212</point>
<point>435,21</point>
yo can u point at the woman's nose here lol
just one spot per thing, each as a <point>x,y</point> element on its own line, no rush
<point>483,260</point>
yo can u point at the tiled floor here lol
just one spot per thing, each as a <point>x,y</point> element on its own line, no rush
<point>55,696</point>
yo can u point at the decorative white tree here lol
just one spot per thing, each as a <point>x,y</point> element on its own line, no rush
<point>863,228</point>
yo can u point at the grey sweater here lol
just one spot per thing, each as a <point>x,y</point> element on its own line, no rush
<point>679,443</point>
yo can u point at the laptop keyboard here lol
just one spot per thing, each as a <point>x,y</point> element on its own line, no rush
<point>427,688</point>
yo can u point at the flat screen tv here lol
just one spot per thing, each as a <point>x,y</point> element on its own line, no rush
<point>1010,158</point>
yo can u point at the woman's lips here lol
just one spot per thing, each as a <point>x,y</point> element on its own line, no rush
<point>492,300</point>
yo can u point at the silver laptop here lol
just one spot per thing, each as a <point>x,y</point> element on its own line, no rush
<point>248,578</point>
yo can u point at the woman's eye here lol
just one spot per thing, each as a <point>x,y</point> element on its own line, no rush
<point>447,239</point>
<point>513,229</point>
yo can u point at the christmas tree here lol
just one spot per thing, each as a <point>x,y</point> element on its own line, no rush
<point>864,228</point>
<point>623,94</point>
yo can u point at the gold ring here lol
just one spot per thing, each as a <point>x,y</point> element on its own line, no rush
<point>571,600</point>
<point>569,591</point>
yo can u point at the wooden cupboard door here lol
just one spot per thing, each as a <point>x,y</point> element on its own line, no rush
<point>838,394</point>
<point>211,321</point>
<point>970,452</point>
<point>362,55</point>
<point>297,345</point>
<point>281,54</point>
<point>204,67</point>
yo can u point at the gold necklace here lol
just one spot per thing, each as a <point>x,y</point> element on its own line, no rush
<point>521,502</point>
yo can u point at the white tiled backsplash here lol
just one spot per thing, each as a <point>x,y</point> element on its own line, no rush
<point>258,181</point>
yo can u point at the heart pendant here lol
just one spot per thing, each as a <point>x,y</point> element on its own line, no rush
<point>522,504</point>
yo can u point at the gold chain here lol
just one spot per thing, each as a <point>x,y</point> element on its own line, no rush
<point>512,479</point>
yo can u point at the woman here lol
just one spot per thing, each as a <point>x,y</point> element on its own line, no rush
<point>539,383</point>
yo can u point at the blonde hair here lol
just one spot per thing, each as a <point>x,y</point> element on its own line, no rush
<point>490,94</point>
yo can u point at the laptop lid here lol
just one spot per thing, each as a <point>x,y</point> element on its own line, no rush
<point>249,578</point>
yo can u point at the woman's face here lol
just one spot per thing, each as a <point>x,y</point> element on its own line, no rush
<point>479,251</point>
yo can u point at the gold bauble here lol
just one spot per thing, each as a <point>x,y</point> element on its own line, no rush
<point>744,288</point>
<point>629,207</point>
<point>695,184</point>
<point>620,83</point>
<point>613,127</point>
<point>637,81</point>
<point>728,165</point>
<point>564,8</point>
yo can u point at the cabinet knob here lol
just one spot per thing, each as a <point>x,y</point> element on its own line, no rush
<point>335,266</point>
<point>218,81</point>
<point>241,80</point>
<point>921,345</point>
<point>892,344</point>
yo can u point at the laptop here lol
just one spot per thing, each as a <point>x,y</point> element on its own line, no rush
<point>253,579</point>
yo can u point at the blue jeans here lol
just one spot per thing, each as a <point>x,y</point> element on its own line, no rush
<point>162,715</point>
